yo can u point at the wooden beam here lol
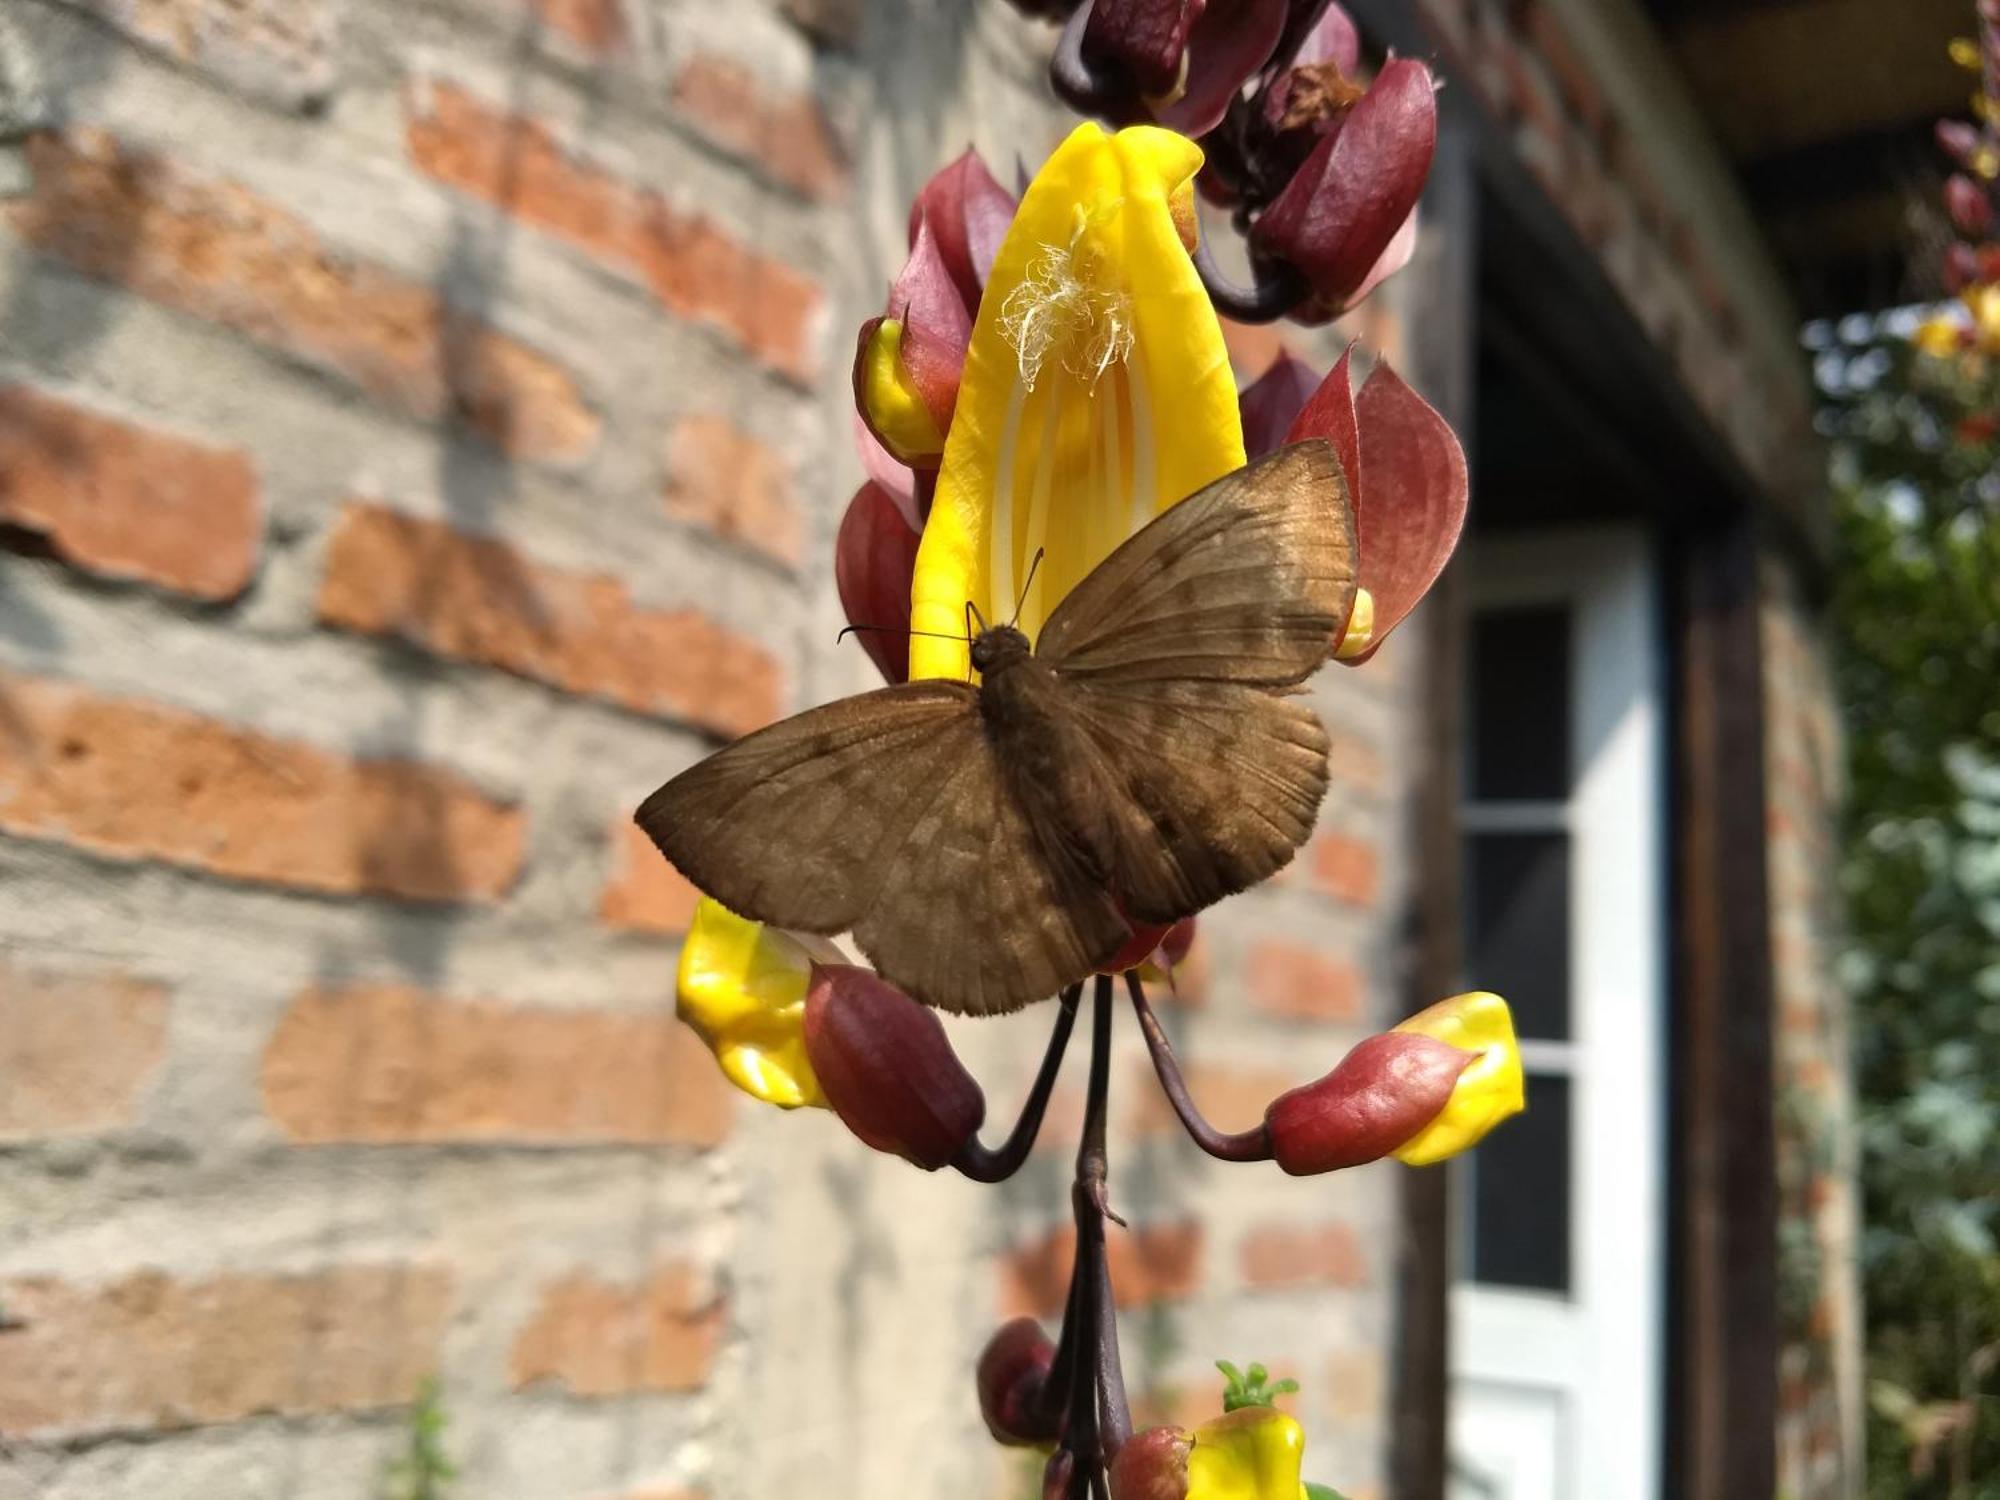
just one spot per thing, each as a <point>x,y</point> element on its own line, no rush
<point>1776,77</point>
<point>1722,1300</point>
<point>1440,288</point>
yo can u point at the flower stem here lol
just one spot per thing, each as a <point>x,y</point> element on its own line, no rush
<point>983,1165</point>
<point>1275,288</point>
<point>1246,1145</point>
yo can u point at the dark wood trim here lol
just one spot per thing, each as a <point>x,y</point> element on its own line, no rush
<point>1440,289</point>
<point>1722,1406</point>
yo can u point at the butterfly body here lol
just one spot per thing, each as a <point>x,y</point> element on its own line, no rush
<point>988,845</point>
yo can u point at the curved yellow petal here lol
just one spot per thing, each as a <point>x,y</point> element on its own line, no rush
<point>1096,391</point>
<point>1253,1453</point>
<point>1488,1091</point>
<point>895,409</point>
<point>742,987</point>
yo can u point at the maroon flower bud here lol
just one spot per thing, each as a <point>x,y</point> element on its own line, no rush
<point>1970,206</point>
<point>874,557</point>
<point>1273,401</point>
<point>1228,43</point>
<point>1961,267</point>
<point>1146,40</point>
<point>968,212</point>
<point>907,364</point>
<point>1959,141</point>
<point>1406,477</point>
<point>1013,1369</point>
<point>885,1066</point>
<point>1382,1093</point>
<point>1340,215</point>
<point>1175,945</point>
<point>1153,1465</point>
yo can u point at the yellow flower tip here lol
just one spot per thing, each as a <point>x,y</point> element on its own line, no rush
<point>1253,1453</point>
<point>1937,337</point>
<point>1360,632</point>
<point>895,410</point>
<point>1488,1091</point>
<point>742,988</point>
<point>1986,163</point>
<point>1964,51</point>
<point>1096,390</point>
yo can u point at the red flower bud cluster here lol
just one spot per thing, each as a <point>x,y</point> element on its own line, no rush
<point>1322,169</point>
<point>1970,268</point>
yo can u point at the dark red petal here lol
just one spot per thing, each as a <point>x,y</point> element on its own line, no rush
<point>874,557</point>
<point>936,326</point>
<point>886,1067</point>
<point>1409,506</point>
<point>1343,207</point>
<point>1152,1465</point>
<point>1231,41</point>
<point>1145,38</point>
<point>1969,205</point>
<point>969,213</point>
<point>1381,1095</point>
<point>1330,415</point>
<point>1012,1370</point>
<point>1273,401</point>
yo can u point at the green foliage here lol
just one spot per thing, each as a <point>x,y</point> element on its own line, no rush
<point>1321,1492</point>
<point>1251,1387</point>
<point>423,1472</point>
<point>1916,618</point>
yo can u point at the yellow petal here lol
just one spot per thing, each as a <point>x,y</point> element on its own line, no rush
<point>1965,52</point>
<point>1488,1091</point>
<point>1253,1453</point>
<point>1360,633</point>
<point>1938,337</point>
<point>742,987</point>
<point>1096,392</point>
<point>895,410</point>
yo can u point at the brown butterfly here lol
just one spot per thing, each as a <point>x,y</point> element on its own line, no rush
<point>988,845</point>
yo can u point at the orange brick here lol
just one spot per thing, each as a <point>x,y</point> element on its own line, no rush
<point>1158,1263</point>
<point>152,1351</point>
<point>784,135</point>
<point>1230,1097</point>
<point>1278,1257</point>
<point>276,49</point>
<point>600,1339</point>
<point>76,1052</point>
<point>1354,1385</point>
<point>134,780</point>
<point>480,600</point>
<point>595,25</point>
<point>645,893</point>
<point>722,478</point>
<point>695,269</point>
<point>123,501</point>
<point>390,1064</point>
<point>128,217</point>
<point>1346,869</point>
<point>1298,983</point>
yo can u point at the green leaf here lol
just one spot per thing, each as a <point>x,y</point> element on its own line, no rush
<point>1322,1492</point>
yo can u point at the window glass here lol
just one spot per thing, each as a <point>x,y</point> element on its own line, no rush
<point>1518,661</point>
<point>1517,910</point>
<point>1521,1194</point>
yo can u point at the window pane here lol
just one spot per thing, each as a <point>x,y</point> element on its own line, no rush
<point>1517,900</point>
<point>1518,661</point>
<point>1520,1194</point>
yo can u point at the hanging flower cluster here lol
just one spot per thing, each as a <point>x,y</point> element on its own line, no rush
<point>1046,377</point>
<point>1971,267</point>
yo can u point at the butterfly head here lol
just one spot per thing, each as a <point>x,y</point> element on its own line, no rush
<point>996,647</point>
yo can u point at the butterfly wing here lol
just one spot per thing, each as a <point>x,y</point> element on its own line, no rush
<point>889,815</point>
<point>1178,654</point>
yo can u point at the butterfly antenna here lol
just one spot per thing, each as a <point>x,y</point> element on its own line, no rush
<point>972,613</point>
<point>1026,584</point>
<point>936,635</point>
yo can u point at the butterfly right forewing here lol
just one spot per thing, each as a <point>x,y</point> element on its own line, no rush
<point>1178,655</point>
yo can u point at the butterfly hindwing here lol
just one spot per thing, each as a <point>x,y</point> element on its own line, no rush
<point>1177,654</point>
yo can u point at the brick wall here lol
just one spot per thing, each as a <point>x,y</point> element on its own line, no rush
<point>1821,1419</point>
<point>422,429</point>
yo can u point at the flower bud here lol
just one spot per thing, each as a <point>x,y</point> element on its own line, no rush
<point>1381,1095</point>
<point>1969,205</point>
<point>1013,1369</point>
<point>874,556</point>
<point>885,1066</point>
<point>1175,945</point>
<point>1272,402</point>
<point>907,363</point>
<point>1346,208</point>
<point>967,212</point>
<point>1146,40</point>
<point>1961,267</point>
<point>1146,937</point>
<point>1152,1465</point>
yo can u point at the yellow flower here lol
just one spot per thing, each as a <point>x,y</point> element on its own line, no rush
<point>1490,1088</point>
<point>1096,390</point>
<point>742,987</point>
<point>1253,1453</point>
<point>1938,337</point>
